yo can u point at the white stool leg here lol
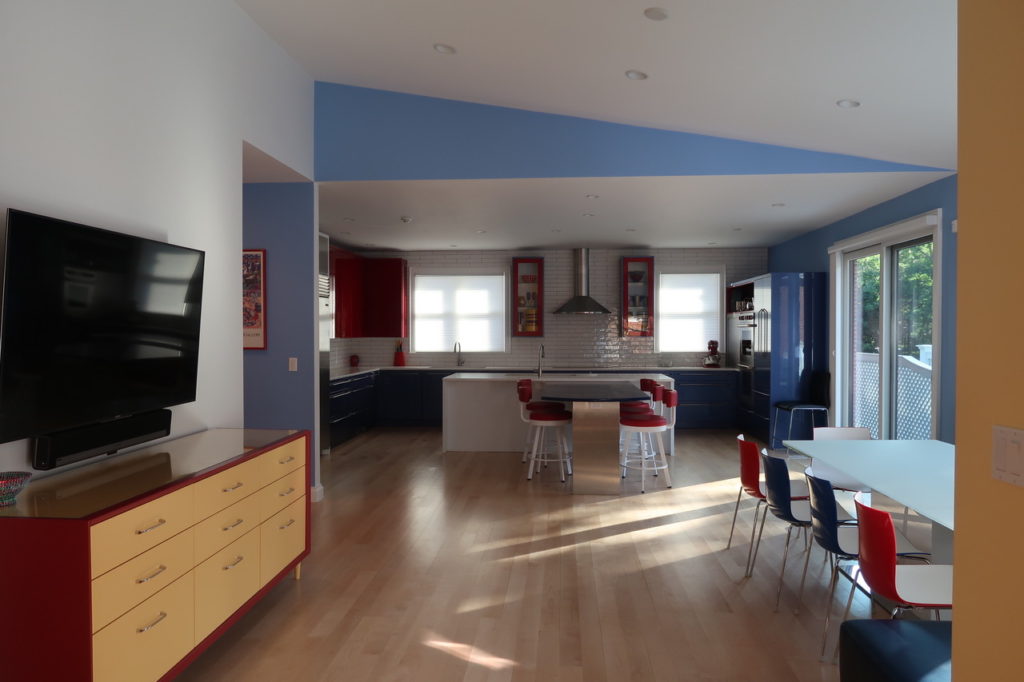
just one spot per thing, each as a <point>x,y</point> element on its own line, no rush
<point>565,448</point>
<point>533,453</point>
<point>664,459</point>
<point>559,448</point>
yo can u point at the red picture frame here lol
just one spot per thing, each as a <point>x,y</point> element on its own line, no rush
<point>254,299</point>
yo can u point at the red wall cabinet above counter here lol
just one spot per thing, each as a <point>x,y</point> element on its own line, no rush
<point>370,296</point>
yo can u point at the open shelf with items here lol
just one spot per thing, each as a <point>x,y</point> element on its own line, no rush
<point>527,297</point>
<point>637,296</point>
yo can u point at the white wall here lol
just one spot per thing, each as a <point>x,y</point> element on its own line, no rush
<point>569,340</point>
<point>131,115</point>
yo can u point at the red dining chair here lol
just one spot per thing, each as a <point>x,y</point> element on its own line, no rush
<point>908,586</point>
<point>752,484</point>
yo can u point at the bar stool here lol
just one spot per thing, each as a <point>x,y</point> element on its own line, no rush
<point>542,421</point>
<point>650,454</point>
<point>819,402</point>
<point>535,405</point>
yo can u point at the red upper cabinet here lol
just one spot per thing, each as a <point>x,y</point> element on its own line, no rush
<point>370,296</point>
<point>527,297</point>
<point>638,296</point>
<point>385,298</point>
<point>347,273</point>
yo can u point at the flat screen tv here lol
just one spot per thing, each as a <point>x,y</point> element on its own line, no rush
<point>95,325</point>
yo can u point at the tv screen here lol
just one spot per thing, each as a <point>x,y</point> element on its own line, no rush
<point>95,325</point>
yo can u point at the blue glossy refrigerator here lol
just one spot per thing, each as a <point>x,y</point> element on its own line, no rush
<point>786,336</point>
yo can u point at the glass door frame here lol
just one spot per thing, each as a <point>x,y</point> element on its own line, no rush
<point>840,255</point>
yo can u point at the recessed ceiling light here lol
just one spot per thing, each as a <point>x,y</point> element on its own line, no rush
<point>588,215</point>
<point>405,219</point>
<point>737,229</point>
<point>555,230</point>
<point>635,75</point>
<point>630,229</point>
<point>346,233</point>
<point>444,49</point>
<point>592,196</point>
<point>847,103</point>
<point>712,243</point>
<point>778,204</point>
<point>656,14</point>
<point>481,231</point>
<point>349,219</point>
<point>453,245</point>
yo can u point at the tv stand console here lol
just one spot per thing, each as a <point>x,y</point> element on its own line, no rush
<point>128,568</point>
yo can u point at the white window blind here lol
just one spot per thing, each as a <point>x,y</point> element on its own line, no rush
<point>469,309</point>
<point>689,311</point>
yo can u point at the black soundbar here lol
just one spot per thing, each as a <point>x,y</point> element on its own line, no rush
<point>73,445</point>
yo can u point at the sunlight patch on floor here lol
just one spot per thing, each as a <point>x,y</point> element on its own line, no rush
<point>467,652</point>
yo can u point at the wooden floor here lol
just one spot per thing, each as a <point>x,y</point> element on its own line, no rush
<point>437,567</point>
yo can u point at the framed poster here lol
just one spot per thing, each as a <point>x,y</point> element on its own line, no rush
<point>254,299</point>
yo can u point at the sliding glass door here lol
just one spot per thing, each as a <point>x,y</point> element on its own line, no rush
<point>886,335</point>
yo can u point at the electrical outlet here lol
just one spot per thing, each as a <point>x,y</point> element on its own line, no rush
<point>293,364</point>
<point>1008,454</point>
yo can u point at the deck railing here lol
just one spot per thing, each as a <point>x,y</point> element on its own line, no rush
<point>913,396</point>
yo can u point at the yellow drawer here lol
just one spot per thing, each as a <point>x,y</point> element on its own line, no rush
<point>282,492</point>
<point>137,579</point>
<point>282,538</point>
<point>126,535</point>
<point>226,526</point>
<point>225,581</point>
<point>146,642</point>
<point>282,460</point>
<point>229,486</point>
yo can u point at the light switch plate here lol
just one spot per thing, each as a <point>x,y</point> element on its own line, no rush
<point>1008,454</point>
<point>293,364</point>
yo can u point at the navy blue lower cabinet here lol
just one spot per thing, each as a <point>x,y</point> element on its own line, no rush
<point>707,399</point>
<point>399,398</point>
<point>352,406</point>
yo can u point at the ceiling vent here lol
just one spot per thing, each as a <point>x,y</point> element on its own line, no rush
<point>582,303</point>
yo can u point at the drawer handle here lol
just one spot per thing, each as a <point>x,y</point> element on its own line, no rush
<point>152,625</point>
<point>156,525</point>
<point>232,488</point>
<point>152,575</point>
<point>289,458</point>
<point>233,563</point>
<point>286,493</point>
<point>290,522</point>
<point>237,523</point>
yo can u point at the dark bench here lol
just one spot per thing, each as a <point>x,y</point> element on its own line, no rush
<point>895,651</point>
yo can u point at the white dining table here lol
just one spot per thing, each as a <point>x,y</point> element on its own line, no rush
<point>915,473</point>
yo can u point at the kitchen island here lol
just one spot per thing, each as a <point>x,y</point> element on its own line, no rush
<point>481,410</point>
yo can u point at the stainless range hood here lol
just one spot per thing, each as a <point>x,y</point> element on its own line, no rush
<point>582,303</point>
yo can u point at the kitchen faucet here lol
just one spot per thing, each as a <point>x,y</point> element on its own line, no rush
<point>459,360</point>
<point>540,356</point>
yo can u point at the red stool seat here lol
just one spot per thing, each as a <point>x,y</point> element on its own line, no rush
<point>632,406</point>
<point>550,416</point>
<point>544,405</point>
<point>641,421</point>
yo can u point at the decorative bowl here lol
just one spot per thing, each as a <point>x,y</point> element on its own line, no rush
<point>11,483</point>
<point>529,279</point>
<point>636,275</point>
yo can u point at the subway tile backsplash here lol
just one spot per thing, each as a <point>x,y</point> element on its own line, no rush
<point>569,340</point>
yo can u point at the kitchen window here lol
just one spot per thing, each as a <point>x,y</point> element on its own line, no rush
<point>463,307</point>
<point>689,311</point>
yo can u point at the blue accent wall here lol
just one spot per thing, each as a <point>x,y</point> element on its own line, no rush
<point>365,134</point>
<point>279,217</point>
<point>809,252</point>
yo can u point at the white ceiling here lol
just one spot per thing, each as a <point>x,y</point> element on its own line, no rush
<point>745,69</point>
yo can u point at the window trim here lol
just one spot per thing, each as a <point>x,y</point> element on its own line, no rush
<point>442,271</point>
<point>928,224</point>
<point>719,270</point>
